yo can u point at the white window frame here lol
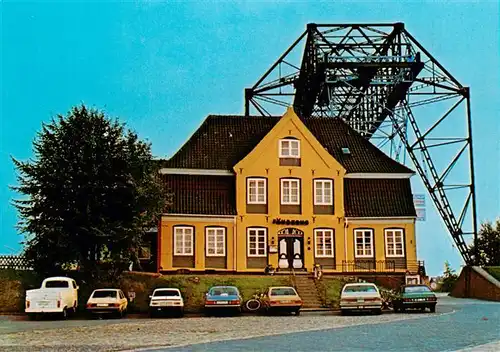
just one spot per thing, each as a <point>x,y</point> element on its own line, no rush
<point>256,180</point>
<point>289,149</point>
<point>261,234</point>
<point>184,250</point>
<point>323,233</point>
<point>321,201</point>
<point>363,232</point>
<point>208,233</point>
<point>392,233</point>
<point>290,202</point>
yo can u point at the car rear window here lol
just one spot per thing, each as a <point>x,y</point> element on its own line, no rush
<point>283,292</point>
<point>360,288</point>
<point>104,294</point>
<point>56,284</point>
<point>165,293</point>
<point>413,289</point>
<point>226,291</point>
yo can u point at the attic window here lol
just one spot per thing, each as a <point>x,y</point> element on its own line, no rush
<point>346,151</point>
<point>289,148</point>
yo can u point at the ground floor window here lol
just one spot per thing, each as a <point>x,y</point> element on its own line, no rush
<point>324,243</point>
<point>257,242</point>
<point>394,243</point>
<point>216,241</point>
<point>183,240</point>
<point>364,243</point>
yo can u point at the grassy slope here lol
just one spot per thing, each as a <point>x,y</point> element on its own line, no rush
<point>13,285</point>
<point>193,287</point>
<point>494,271</point>
<point>193,290</point>
<point>329,290</point>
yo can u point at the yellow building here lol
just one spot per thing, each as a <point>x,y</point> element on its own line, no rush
<point>289,192</point>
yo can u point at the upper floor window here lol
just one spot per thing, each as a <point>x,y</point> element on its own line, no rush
<point>216,241</point>
<point>363,243</point>
<point>183,240</point>
<point>257,242</point>
<point>256,191</point>
<point>289,148</point>
<point>290,191</point>
<point>323,239</point>
<point>323,192</point>
<point>394,243</point>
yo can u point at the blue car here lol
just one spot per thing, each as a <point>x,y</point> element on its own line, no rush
<point>227,297</point>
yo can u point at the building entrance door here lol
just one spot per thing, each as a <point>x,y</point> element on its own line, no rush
<point>291,252</point>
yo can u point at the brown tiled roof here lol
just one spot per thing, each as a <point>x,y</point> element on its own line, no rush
<point>222,141</point>
<point>195,194</point>
<point>378,197</point>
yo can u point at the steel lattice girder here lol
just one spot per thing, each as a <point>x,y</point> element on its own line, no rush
<point>374,77</point>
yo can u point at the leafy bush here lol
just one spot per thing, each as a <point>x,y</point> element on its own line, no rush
<point>494,271</point>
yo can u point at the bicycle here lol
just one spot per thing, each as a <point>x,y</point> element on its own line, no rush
<point>254,303</point>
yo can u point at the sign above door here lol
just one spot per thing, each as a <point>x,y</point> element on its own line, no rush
<point>290,232</point>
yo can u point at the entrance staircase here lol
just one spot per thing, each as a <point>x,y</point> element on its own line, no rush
<point>306,288</point>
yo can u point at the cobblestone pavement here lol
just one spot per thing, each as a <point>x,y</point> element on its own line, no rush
<point>460,318</point>
<point>473,327</point>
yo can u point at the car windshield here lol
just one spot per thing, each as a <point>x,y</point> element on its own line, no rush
<point>166,293</point>
<point>414,289</point>
<point>104,294</point>
<point>360,288</point>
<point>284,291</point>
<point>56,284</point>
<point>223,291</point>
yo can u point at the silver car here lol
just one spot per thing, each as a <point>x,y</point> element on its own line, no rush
<point>360,297</point>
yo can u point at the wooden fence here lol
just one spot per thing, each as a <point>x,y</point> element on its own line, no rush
<point>14,262</point>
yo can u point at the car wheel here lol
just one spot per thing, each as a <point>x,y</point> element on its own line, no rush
<point>345,312</point>
<point>152,313</point>
<point>377,311</point>
<point>433,309</point>
<point>180,314</point>
<point>32,316</point>
<point>297,312</point>
<point>64,314</point>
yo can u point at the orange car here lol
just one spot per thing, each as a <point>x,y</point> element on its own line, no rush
<point>282,299</point>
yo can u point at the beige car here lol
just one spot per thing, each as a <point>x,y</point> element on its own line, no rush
<point>282,298</point>
<point>360,297</point>
<point>107,301</point>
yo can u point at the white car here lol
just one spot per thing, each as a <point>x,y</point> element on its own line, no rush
<point>57,295</point>
<point>166,300</point>
<point>360,296</point>
<point>108,301</point>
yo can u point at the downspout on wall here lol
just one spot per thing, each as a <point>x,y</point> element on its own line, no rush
<point>345,239</point>
<point>235,243</point>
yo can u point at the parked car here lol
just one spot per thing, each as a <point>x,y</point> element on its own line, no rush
<point>107,301</point>
<point>414,297</point>
<point>282,299</point>
<point>57,295</point>
<point>166,300</point>
<point>219,297</point>
<point>360,297</point>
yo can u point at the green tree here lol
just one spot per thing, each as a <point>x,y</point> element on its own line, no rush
<point>89,193</point>
<point>488,245</point>
<point>448,279</point>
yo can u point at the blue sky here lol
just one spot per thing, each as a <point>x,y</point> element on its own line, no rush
<point>163,67</point>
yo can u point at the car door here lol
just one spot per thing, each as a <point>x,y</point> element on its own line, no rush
<point>123,300</point>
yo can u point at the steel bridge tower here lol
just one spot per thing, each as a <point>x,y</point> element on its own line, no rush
<point>381,81</point>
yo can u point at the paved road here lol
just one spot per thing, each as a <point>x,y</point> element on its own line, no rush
<point>469,323</point>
